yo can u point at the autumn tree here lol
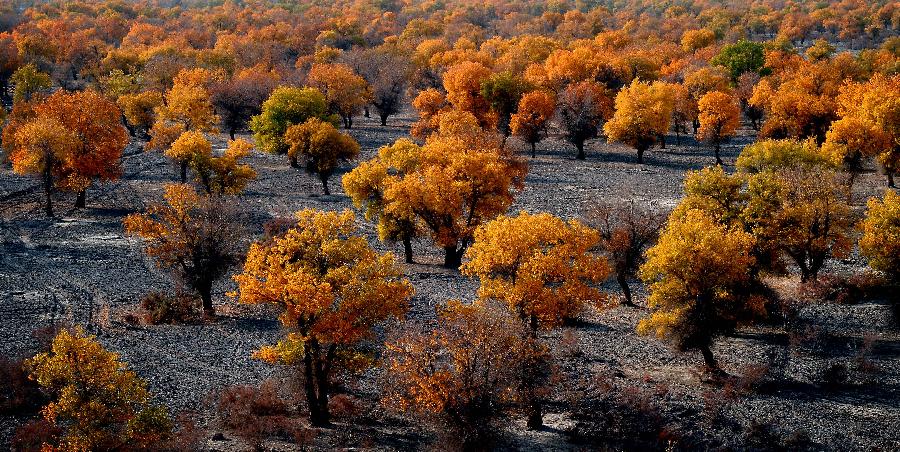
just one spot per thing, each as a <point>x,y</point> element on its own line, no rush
<point>194,237</point>
<point>366,185</point>
<point>388,71</point>
<point>643,113</point>
<point>239,98</point>
<point>96,402</point>
<point>96,124</point>
<point>719,119</point>
<point>224,174</point>
<point>345,91</point>
<point>188,103</point>
<point>545,271</point>
<point>44,148</point>
<point>880,242</point>
<point>321,147</point>
<point>463,180</point>
<point>333,289</point>
<point>463,372</point>
<point>463,83</point>
<point>697,276</point>
<point>532,118</point>
<point>582,108</point>
<point>693,40</point>
<point>503,91</point>
<point>429,105</point>
<point>286,106</point>
<point>139,110</point>
<point>626,231</point>
<point>740,57</point>
<point>28,81</point>
<point>190,145</point>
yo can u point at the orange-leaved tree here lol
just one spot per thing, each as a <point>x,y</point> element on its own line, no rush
<point>719,118</point>
<point>429,104</point>
<point>96,402</point>
<point>367,183</point>
<point>321,147</point>
<point>582,107</point>
<point>96,124</point>
<point>196,238</point>
<point>189,146</point>
<point>463,180</point>
<point>545,270</point>
<point>531,120</point>
<point>346,92</point>
<point>333,289</point>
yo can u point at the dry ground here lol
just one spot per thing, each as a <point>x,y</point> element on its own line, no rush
<point>80,268</point>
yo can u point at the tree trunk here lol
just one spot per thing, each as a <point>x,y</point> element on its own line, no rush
<point>309,386</point>
<point>580,146</point>
<point>184,166</point>
<point>533,150</point>
<point>48,191</point>
<point>640,153</point>
<point>205,291</point>
<point>452,257</point>
<point>662,141</point>
<point>623,283</point>
<point>533,403</point>
<point>535,415</point>
<point>708,358</point>
<point>231,131</point>
<point>80,199</point>
<point>325,185</point>
<point>407,250</point>
<point>293,162</point>
<point>890,179</point>
<point>322,385</point>
<point>718,159</point>
<point>383,117</point>
<point>366,112</point>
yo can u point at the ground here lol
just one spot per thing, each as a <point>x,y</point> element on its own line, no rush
<point>80,268</point>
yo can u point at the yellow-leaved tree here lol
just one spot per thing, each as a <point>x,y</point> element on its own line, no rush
<point>224,174</point>
<point>697,276</point>
<point>545,270</point>
<point>531,120</point>
<point>346,92</point>
<point>43,148</point>
<point>189,146</point>
<point>463,180</point>
<point>321,147</point>
<point>333,289</point>
<point>643,114</point>
<point>96,402</point>
<point>880,242</point>
<point>367,183</point>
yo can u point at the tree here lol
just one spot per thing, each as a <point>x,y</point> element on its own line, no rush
<point>532,118</point>
<point>503,91</point>
<point>429,104</point>
<point>693,40</point>
<point>95,400</point>
<point>188,103</point>
<point>643,113</point>
<point>346,92</point>
<point>462,372</point>
<point>719,119</point>
<point>544,270</point>
<point>9,63</point>
<point>464,179</point>
<point>581,108</point>
<point>286,106</point>
<point>224,174</point>
<point>367,183</point>
<point>333,289</point>
<point>43,147</point>
<point>740,57</point>
<point>28,81</point>
<point>463,82</point>
<point>849,140</point>
<point>97,126</point>
<point>189,146</point>
<point>697,276</point>
<point>194,237</point>
<point>239,98</point>
<point>626,231</point>
<point>880,242</point>
<point>321,147</point>
<point>387,70</point>
<point>139,109</point>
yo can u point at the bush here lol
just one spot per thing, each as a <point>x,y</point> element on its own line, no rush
<point>159,308</point>
<point>33,435</point>
<point>835,375</point>
<point>19,396</point>
<point>257,413</point>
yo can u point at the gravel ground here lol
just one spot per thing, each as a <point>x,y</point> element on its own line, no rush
<point>80,268</point>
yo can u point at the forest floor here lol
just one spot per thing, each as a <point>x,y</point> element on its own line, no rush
<point>80,268</point>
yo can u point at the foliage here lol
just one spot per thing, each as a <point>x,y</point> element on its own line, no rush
<point>139,109</point>
<point>463,83</point>
<point>28,81</point>
<point>582,107</point>
<point>532,118</point>
<point>224,174</point>
<point>286,106</point>
<point>503,91</point>
<point>429,104</point>
<point>44,148</point>
<point>697,276</point>
<point>719,118</point>
<point>333,289</point>
<point>880,242</point>
<point>643,113</point>
<point>460,374</point>
<point>195,237</point>
<point>237,99</point>
<point>345,91</point>
<point>190,146</point>
<point>97,402</point>
<point>740,57</point>
<point>321,147</point>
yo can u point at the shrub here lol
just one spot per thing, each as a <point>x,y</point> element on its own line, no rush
<point>257,413</point>
<point>160,308</point>
<point>18,394</point>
